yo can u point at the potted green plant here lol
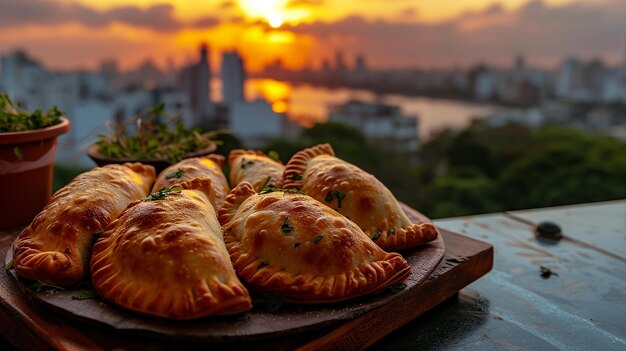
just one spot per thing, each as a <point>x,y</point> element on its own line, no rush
<point>28,143</point>
<point>152,137</point>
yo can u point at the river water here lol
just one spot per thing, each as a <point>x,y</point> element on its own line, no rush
<point>308,104</point>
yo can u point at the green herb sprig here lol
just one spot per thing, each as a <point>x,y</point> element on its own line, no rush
<point>397,288</point>
<point>163,193</point>
<point>175,174</point>
<point>85,295</point>
<point>268,190</point>
<point>10,265</point>
<point>273,154</point>
<point>376,235</point>
<point>15,119</point>
<point>39,286</point>
<point>154,134</point>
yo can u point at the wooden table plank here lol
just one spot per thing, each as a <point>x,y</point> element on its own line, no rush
<point>601,225</point>
<point>582,308</point>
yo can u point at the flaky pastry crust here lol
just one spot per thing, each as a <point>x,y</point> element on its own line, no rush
<point>167,258</point>
<point>197,167</point>
<point>293,246</point>
<point>55,247</point>
<point>357,195</point>
<point>256,168</point>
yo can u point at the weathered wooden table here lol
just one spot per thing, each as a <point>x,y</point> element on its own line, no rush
<point>511,308</point>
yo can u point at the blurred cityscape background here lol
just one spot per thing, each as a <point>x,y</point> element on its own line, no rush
<point>460,107</point>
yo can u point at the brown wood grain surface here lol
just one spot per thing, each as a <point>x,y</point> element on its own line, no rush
<point>30,325</point>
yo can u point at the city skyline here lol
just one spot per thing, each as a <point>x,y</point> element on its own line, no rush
<point>391,34</point>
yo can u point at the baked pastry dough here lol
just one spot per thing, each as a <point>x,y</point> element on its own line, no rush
<point>357,195</point>
<point>197,167</point>
<point>167,258</point>
<point>256,168</point>
<point>55,247</point>
<point>293,246</point>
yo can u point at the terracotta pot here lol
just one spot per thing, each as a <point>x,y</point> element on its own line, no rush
<point>159,165</point>
<point>26,175</point>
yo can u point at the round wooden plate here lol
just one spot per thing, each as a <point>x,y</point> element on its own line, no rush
<point>259,323</point>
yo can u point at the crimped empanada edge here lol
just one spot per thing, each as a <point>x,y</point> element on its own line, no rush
<point>297,165</point>
<point>408,237</point>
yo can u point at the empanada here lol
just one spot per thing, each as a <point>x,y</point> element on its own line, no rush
<point>357,195</point>
<point>256,168</point>
<point>197,167</point>
<point>291,245</point>
<point>55,247</point>
<point>165,256</point>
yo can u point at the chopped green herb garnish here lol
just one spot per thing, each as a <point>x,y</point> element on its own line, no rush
<point>85,295</point>
<point>329,196</point>
<point>176,174</point>
<point>268,190</point>
<point>261,265</point>
<point>273,154</point>
<point>296,245</point>
<point>391,231</point>
<point>286,227</point>
<point>376,235</point>
<point>318,238</point>
<point>39,286</point>
<point>397,288</point>
<point>296,176</point>
<point>245,163</point>
<point>9,265</point>
<point>163,193</point>
<point>340,196</point>
<point>18,153</point>
<point>265,184</point>
<point>242,317</point>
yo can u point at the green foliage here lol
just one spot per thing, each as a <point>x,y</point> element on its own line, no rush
<point>484,169</point>
<point>568,167</point>
<point>488,169</point>
<point>147,137</point>
<point>463,194</point>
<point>14,119</point>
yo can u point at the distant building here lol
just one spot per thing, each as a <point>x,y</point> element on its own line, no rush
<point>380,122</point>
<point>233,78</point>
<point>194,80</point>
<point>255,122</point>
<point>91,100</point>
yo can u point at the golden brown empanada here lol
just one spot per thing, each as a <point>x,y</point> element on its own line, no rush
<point>256,168</point>
<point>165,256</point>
<point>55,247</point>
<point>291,245</point>
<point>197,167</point>
<point>357,195</point>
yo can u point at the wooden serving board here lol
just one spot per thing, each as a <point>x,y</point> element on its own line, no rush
<point>259,323</point>
<point>29,324</point>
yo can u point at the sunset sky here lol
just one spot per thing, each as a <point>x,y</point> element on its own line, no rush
<point>67,34</point>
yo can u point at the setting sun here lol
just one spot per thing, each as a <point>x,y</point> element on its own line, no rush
<point>266,9</point>
<point>275,20</point>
